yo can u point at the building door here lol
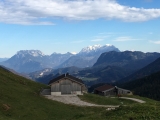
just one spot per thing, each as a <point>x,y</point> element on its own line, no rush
<point>66,89</point>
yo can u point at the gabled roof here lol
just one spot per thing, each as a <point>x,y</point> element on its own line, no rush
<point>66,76</point>
<point>104,87</point>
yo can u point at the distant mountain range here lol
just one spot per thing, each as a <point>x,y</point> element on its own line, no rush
<point>112,67</point>
<point>88,56</point>
<point>3,59</point>
<point>109,68</point>
<point>26,61</point>
<point>93,64</point>
<point>127,59</point>
<point>97,49</point>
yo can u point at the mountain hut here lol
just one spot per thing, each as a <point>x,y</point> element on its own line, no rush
<point>67,85</point>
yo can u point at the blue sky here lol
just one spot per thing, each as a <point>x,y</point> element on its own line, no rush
<point>67,26</point>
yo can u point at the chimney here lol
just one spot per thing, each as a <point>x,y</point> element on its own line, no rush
<point>67,74</point>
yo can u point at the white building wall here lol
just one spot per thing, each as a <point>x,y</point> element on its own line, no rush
<point>56,93</point>
<point>79,92</point>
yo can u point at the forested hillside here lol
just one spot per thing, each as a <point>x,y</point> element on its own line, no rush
<point>148,86</point>
<point>147,70</point>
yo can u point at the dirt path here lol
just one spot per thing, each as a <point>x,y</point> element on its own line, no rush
<point>75,100</point>
<point>134,99</point>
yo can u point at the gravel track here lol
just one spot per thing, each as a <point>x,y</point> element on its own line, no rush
<point>75,100</point>
<point>134,99</point>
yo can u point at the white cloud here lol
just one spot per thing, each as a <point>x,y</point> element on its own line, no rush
<point>125,38</point>
<point>45,11</point>
<point>155,42</point>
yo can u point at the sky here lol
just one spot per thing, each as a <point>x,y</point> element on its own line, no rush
<point>69,25</point>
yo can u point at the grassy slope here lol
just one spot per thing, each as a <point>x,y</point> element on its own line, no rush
<point>20,100</point>
<point>129,109</point>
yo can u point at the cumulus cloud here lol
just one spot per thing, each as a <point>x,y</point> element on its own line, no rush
<point>45,11</point>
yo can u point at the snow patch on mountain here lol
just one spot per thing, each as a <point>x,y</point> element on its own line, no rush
<point>34,53</point>
<point>74,53</point>
<point>90,48</point>
<point>98,48</point>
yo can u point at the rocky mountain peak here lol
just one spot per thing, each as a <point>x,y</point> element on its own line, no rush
<point>34,53</point>
<point>98,49</point>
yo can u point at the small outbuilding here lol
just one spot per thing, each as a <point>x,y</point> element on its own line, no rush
<point>109,90</point>
<point>67,85</point>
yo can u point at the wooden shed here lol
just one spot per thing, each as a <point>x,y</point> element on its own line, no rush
<point>67,84</point>
<point>109,90</point>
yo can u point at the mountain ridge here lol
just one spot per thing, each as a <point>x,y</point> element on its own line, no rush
<point>147,70</point>
<point>97,48</point>
<point>115,70</point>
<point>26,61</point>
<point>3,59</point>
<point>127,59</point>
<point>88,56</point>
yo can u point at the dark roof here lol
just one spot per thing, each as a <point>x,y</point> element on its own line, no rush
<point>66,76</point>
<point>104,87</point>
